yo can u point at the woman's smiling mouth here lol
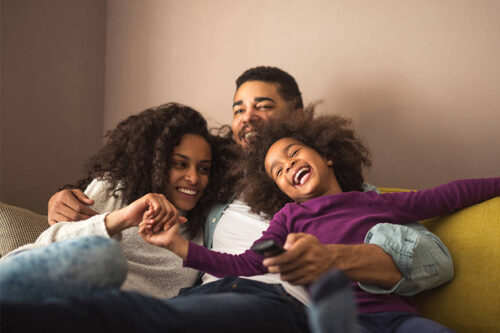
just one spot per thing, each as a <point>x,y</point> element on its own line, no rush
<point>187,191</point>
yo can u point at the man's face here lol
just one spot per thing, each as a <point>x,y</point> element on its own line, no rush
<point>255,102</point>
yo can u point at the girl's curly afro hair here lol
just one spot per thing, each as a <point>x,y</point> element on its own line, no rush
<point>137,156</point>
<point>331,136</point>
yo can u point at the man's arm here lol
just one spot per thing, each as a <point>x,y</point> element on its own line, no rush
<point>420,256</point>
<point>394,259</point>
<point>69,205</point>
<point>306,259</point>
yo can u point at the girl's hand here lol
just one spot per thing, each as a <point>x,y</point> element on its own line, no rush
<point>168,237</point>
<point>160,212</point>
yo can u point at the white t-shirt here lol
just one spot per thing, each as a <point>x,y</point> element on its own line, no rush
<point>235,233</point>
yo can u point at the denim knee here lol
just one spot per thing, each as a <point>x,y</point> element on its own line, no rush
<point>68,268</point>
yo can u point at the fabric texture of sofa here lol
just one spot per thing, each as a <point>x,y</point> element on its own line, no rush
<point>469,303</point>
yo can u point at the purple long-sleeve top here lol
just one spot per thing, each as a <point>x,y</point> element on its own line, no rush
<point>345,218</point>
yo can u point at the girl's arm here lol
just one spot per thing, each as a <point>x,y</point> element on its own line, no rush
<point>215,263</point>
<point>443,199</point>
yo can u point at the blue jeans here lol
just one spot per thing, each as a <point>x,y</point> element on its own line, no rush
<point>228,305</point>
<point>73,267</point>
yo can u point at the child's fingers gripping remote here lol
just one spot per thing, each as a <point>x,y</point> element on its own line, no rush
<point>267,248</point>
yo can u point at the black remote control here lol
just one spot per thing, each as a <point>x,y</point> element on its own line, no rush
<point>267,248</point>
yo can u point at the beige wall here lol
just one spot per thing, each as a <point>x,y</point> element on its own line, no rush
<point>52,95</point>
<point>420,78</point>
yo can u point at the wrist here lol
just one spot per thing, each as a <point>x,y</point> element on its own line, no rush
<point>366,263</point>
<point>341,257</point>
<point>180,247</point>
<point>115,222</point>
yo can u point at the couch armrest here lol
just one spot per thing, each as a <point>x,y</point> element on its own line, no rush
<point>18,227</point>
<point>471,301</point>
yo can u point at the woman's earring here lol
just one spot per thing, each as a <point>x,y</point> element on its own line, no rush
<point>329,162</point>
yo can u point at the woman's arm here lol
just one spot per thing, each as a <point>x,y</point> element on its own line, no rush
<point>99,191</point>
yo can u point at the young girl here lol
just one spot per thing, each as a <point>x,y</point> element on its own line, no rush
<point>313,167</point>
<point>162,157</point>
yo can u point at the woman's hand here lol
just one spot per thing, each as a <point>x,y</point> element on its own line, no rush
<point>154,207</point>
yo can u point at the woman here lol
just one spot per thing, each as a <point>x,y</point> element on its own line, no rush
<point>165,153</point>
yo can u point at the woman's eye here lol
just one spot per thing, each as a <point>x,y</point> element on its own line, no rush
<point>179,165</point>
<point>294,153</point>
<point>204,170</point>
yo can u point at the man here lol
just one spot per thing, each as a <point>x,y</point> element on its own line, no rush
<point>394,258</point>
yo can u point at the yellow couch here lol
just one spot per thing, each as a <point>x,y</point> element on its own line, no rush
<point>469,303</point>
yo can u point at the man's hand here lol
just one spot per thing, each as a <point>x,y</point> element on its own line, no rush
<point>303,262</point>
<point>307,259</point>
<point>69,205</point>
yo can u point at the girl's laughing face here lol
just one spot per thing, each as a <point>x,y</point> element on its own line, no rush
<point>300,171</point>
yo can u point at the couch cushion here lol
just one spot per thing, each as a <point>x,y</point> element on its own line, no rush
<point>18,227</point>
<point>471,301</point>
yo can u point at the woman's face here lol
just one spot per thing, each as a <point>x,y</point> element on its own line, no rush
<point>188,177</point>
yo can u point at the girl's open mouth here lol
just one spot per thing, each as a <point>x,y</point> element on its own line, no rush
<point>301,176</point>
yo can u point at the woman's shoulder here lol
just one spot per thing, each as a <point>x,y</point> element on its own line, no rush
<point>106,196</point>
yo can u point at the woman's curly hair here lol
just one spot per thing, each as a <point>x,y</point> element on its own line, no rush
<point>137,157</point>
<point>331,136</point>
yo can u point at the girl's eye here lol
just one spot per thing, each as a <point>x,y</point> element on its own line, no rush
<point>294,153</point>
<point>279,172</point>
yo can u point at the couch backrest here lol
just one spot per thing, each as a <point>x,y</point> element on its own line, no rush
<point>18,227</point>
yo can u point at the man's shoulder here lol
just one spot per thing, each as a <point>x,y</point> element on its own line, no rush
<point>367,187</point>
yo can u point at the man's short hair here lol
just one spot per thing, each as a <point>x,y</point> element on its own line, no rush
<point>287,86</point>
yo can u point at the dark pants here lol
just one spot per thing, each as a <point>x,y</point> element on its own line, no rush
<point>333,311</point>
<point>228,305</point>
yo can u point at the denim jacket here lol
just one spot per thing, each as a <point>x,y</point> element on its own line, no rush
<point>421,257</point>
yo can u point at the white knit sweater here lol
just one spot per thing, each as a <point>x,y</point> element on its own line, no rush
<point>152,270</point>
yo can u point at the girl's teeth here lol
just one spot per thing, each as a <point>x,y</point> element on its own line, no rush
<point>298,179</point>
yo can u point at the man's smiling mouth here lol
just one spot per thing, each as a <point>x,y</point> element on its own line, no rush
<point>249,135</point>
